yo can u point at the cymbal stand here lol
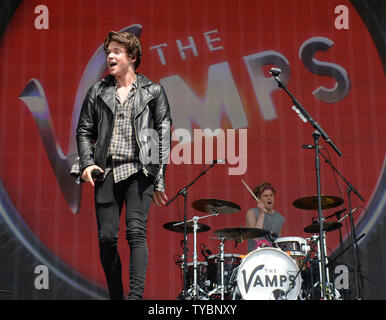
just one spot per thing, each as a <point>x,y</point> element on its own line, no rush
<point>195,286</point>
<point>330,288</point>
<point>320,258</point>
<point>194,292</point>
<point>184,193</point>
<point>221,288</point>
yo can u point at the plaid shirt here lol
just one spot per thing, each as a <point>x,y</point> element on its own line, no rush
<point>123,152</point>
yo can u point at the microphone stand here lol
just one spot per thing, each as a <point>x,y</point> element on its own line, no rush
<point>354,240</point>
<point>316,135</point>
<point>184,193</point>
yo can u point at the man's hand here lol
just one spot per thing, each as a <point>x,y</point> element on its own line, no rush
<point>86,175</point>
<point>159,198</point>
<point>260,206</point>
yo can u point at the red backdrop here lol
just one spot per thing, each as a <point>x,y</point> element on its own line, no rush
<point>58,57</point>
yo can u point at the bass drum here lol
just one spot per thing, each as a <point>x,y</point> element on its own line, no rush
<point>266,274</point>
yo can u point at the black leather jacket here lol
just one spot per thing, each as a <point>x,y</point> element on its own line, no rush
<point>152,122</point>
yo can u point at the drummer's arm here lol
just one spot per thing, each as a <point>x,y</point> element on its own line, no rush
<point>252,222</point>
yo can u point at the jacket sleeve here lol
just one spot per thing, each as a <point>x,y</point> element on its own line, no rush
<point>86,132</point>
<point>162,124</point>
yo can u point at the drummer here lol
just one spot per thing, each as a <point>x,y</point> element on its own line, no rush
<point>264,216</point>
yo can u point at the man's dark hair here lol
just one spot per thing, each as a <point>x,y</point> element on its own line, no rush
<point>129,41</point>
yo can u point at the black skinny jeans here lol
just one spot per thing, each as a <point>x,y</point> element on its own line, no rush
<point>136,192</point>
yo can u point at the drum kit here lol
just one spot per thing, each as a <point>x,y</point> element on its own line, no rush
<point>273,272</point>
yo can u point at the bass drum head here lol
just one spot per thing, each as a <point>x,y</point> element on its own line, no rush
<point>266,274</point>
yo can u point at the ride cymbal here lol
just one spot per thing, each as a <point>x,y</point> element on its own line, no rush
<point>327,226</point>
<point>311,203</point>
<point>189,227</point>
<point>215,206</point>
<point>241,233</point>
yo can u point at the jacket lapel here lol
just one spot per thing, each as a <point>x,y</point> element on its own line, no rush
<point>107,93</point>
<point>142,96</point>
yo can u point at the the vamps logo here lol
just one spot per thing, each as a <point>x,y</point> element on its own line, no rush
<point>268,274</point>
<point>266,280</point>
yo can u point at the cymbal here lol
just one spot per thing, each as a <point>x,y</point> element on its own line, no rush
<point>327,226</point>
<point>241,233</point>
<point>215,206</point>
<point>311,203</point>
<point>189,227</point>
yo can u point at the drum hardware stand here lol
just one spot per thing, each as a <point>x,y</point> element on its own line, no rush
<point>323,279</point>
<point>304,262</point>
<point>184,193</point>
<point>329,287</point>
<point>221,288</point>
<point>196,289</point>
<point>321,256</point>
<point>316,242</point>
<point>354,240</point>
<point>305,116</point>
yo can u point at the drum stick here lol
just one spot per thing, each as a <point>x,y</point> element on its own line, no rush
<point>249,189</point>
<point>253,195</point>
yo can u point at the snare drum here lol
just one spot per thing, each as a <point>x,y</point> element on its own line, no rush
<point>296,247</point>
<point>266,274</point>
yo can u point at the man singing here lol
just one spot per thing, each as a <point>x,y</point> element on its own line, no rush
<point>123,138</point>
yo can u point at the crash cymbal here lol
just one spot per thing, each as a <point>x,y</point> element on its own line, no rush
<point>311,203</point>
<point>327,226</point>
<point>189,227</point>
<point>241,233</point>
<point>215,206</point>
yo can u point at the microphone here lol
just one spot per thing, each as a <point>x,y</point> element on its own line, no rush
<point>218,161</point>
<point>275,71</point>
<point>178,260</point>
<point>205,251</point>
<point>337,214</point>
<point>96,174</point>
<point>299,114</point>
<point>346,215</point>
<point>271,237</point>
<point>310,146</point>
